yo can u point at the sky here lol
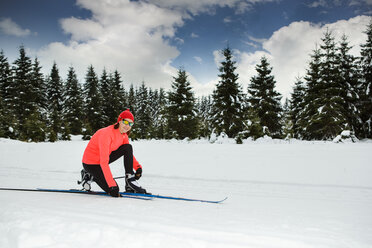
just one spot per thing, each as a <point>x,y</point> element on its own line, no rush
<point>149,40</point>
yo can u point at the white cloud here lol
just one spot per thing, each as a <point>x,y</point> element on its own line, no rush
<point>316,4</point>
<point>258,40</point>
<point>198,59</point>
<point>250,44</point>
<point>201,6</point>
<point>337,2</point>
<point>227,19</point>
<point>179,40</point>
<point>193,35</point>
<point>131,37</point>
<point>218,57</point>
<point>359,2</point>
<point>202,89</point>
<point>288,49</point>
<point>9,27</point>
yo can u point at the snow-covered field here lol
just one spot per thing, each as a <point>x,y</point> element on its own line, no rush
<point>281,194</point>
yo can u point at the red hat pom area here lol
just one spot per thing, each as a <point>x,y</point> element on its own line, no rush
<point>126,115</point>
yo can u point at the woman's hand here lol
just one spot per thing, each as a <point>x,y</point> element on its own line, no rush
<point>114,191</point>
<point>138,174</point>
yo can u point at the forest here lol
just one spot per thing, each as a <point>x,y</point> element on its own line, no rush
<point>335,95</point>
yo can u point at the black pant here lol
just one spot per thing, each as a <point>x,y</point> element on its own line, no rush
<point>96,171</point>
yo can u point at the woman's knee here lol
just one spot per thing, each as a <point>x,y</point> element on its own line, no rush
<point>127,148</point>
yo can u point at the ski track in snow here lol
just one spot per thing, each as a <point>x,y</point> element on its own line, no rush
<point>281,195</point>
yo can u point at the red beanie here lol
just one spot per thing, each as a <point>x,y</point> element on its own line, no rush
<point>126,115</point>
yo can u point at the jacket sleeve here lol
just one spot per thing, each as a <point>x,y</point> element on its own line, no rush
<point>136,165</point>
<point>104,153</point>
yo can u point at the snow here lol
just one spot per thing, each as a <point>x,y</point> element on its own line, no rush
<point>287,194</point>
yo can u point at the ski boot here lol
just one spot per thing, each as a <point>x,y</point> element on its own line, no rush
<point>132,186</point>
<point>86,180</point>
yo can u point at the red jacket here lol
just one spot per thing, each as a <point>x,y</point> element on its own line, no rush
<point>99,148</point>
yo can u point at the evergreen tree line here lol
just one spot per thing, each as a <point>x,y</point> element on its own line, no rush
<point>334,95</point>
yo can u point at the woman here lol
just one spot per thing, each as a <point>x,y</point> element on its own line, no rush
<point>106,146</point>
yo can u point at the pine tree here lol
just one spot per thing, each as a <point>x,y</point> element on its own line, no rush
<point>36,124</point>
<point>255,130</point>
<point>296,106</point>
<point>227,109</point>
<point>204,113</point>
<point>153,110</point>
<point>158,101</point>
<point>55,104</point>
<point>39,84</point>
<point>117,99</point>
<point>23,92</point>
<point>286,122</point>
<point>106,98</point>
<point>366,83</point>
<point>311,96</point>
<point>264,100</point>
<point>181,109</point>
<point>132,100</point>
<point>27,90</point>
<point>73,106</point>
<point>143,120</point>
<point>349,85</point>
<point>8,117</point>
<point>34,128</point>
<point>329,118</point>
<point>93,103</point>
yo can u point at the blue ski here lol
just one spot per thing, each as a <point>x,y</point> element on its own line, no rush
<point>74,191</point>
<point>123,194</point>
<point>90,193</point>
<point>172,197</point>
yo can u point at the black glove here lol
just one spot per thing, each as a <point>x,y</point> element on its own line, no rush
<point>138,173</point>
<point>114,191</point>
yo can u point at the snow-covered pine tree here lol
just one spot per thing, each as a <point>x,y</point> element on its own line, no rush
<point>36,123</point>
<point>265,100</point>
<point>159,114</point>
<point>181,109</point>
<point>296,106</point>
<point>228,99</point>
<point>73,107</point>
<point>55,104</point>
<point>93,104</point>
<point>154,110</point>
<point>366,82</point>
<point>286,121</point>
<point>349,84</point>
<point>104,87</point>
<point>24,97</point>
<point>329,119</point>
<point>117,97</point>
<point>204,114</point>
<point>39,84</point>
<point>143,120</point>
<point>255,129</point>
<point>8,117</point>
<point>132,100</point>
<point>311,96</point>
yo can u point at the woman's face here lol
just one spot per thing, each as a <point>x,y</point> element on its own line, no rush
<point>124,128</point>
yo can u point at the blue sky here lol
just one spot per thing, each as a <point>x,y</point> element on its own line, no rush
<point>149,40</point>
